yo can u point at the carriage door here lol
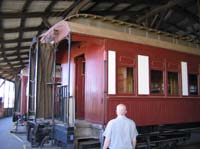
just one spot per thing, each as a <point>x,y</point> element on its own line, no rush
<point>80,87</point>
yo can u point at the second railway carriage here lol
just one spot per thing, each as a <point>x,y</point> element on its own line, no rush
<point>107,62</point>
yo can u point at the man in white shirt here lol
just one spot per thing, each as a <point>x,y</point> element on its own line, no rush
<point>120,132</point>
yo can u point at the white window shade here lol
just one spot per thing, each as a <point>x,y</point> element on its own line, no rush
<point>111,72</point>
<point>143,75</point>
<point>184,76</point>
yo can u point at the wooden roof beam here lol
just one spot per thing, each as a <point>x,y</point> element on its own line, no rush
<point>159,9</point>
<point>8,15</point>
<point>2,77</point>
<point>115,12</point>
<point>47,10</point>
<point>132,15</point>
<point>6,59</point>
<point>78,6</point>
<point>2,46</point>
<point>8,70</point>
<point>14,48</point>
<point>25,29</point>
<point>15,53</point>
<point>46,22</point>
<point>12,60</point>
<point>198,7</point>
<point>16,40</point>
<point>178,28</point>
<point>129,1</point>
<point>9,75</point>
<point>192,17</point>
<point>93,6</point>
<point>22,24</point>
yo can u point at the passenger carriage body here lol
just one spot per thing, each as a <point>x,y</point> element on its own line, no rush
<point>156,77</point>
<point>107,62</point>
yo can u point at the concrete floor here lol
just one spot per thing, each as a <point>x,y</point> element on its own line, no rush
<point>8,140</point>
<point>15,140</point>
<point>18,141</point>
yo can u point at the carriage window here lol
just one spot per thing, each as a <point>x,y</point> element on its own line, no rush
<point>125,80</point>
<point>193,86</point>
<point>157,86</point>
<point>173,88</point>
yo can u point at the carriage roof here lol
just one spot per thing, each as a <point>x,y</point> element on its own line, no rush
<point>113,29</point>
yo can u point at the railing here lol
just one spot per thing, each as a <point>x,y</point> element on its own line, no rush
<point>66,106</point>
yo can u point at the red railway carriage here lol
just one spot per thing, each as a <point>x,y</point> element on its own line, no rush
<point>156,76</point>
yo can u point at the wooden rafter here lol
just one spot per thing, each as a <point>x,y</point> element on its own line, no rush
<point>133,14</point>
<point>186,13</point>
<point>2,45</point>
<point>116,12</point>
<point>14,48</point>
<point>159,9</point>
<point>5,78</point>
<point>15,53</point>
<point>154,20</point>
<point>108,10</point>
<point>9,75</point>
<point>179,28</point>
<point>16,40</point>
<point>9,15</point>
<point>130,1</point>
<point>11,69</point>
<point>93,6</point>
<point>22,24</point>
<point>25,29</point>
<point>171,4</point>
<point>198,7</point>
<point>48,10</point>
<point>162,18</point>
<point>112,6</point>
<point>77,8</point>
<point>46,22</point>
<point>13,60</point>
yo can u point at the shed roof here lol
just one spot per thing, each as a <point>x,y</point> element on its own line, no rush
<point>20,20</point>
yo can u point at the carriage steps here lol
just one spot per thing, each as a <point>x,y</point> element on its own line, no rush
<point>89,144</point>
<point>87,135</point>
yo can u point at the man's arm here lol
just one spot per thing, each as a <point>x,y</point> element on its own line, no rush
<point>106,143</point>
<point>134,142</point>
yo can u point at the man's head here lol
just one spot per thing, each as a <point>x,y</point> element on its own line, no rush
<point>121,109</point>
